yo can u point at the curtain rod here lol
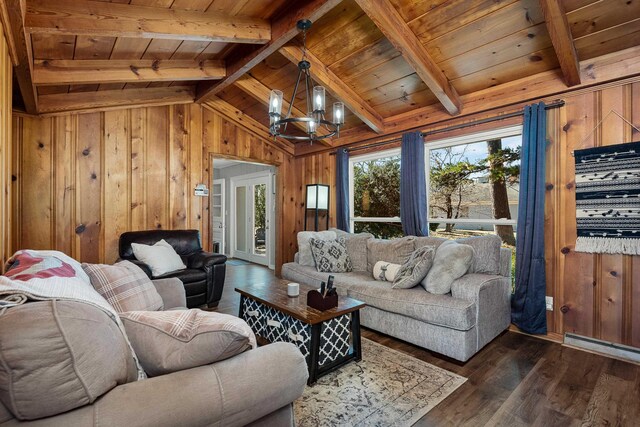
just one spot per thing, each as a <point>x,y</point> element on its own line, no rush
<point>555,104</point>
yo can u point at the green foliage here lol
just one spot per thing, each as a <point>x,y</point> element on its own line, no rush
<point>260,206</point>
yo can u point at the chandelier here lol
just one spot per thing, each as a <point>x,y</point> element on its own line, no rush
<point>314,125</point>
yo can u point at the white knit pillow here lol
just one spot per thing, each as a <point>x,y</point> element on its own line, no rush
<point>161,257</point>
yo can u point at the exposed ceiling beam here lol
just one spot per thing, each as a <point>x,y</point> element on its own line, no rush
<point>96,18</point>
<point>105,100</point>
<point>13,13</point>
<point>336,87</point>
<point>392,25</point>
<point>260,92</point>
<point>283,30</point>
<point>248,122</point>
<point>81,71</point>
<point>560,33</point>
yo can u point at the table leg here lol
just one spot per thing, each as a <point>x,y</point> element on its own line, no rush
<point>355,334</point>
<point>241,309</point>
<point>314,353</point>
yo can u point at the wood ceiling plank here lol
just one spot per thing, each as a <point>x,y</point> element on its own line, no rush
<point>389,21</point>
<point>56,72</point>
<point>403,104</point>
<point>402,88</point>
<point>283,29</point>
<point>190,50</point>
<point>336,87</point>
<point>260,93</point>
<point>598,16</point>
<point>48,46</point>
<point>379,76</point>
<point>362,61</point>
<point>560,34</point>
<point>608,41</point>
<point>14,10</point>
<point>93,18</point>
<point>108,100</point>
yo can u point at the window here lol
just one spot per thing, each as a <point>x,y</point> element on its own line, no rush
<point>375,186</point>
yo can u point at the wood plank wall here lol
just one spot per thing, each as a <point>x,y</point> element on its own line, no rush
<point>84,179</point>
<point>6,72</point>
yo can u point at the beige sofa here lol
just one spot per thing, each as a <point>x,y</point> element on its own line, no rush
<point>457,324</point>
<point>256,387</point>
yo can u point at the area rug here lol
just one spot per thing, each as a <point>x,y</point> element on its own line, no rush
<point>608,199</point>
<point>386,388</point>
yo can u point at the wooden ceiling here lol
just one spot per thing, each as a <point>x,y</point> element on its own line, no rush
<point>382,58</point>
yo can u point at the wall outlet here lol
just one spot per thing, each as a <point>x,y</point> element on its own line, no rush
<point>549,302</point>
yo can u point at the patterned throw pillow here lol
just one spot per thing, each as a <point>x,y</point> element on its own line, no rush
<point>415,269</point>
<point>174,340</point>
<point>125,286</point>
<point>331,256</point>
<point>385,271</point>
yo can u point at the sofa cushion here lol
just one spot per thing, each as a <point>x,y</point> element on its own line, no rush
<point>441,310</point>
<point>356,247</point>
<point>310,276</point>
<point>486,259</point>
<point>160,257</point>
<point>395,251</point>
<point>415,269</point>
<point>59,355</point>
<point>330,256</point>
<point>174,340</point>
<point>385,271</point>
<point>304,247</point>
<point>429,241</point>
<point>452,260</point>
<point>124,285</point>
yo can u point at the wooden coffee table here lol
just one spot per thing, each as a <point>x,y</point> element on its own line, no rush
<point>328,339</point>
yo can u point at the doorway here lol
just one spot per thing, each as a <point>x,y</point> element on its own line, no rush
<point>243,207</point>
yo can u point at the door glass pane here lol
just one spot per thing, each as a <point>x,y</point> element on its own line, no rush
<point>260,214</point>
<point>241,219</point>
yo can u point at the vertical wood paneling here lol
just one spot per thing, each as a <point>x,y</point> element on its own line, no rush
<point>64,182</point>
<point>195,169</point>
<point>178,166</point>
<point>156,172</point>
<point>6,149</point>
<point>138,216</point>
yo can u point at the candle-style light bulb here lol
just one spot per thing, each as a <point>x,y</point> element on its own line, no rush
<point>275,103</point>
<point>318,101</point>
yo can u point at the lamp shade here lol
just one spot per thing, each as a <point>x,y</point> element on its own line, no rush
<point>317,196</point>
<point>338,113</point>
<point>318,98</point>
<point>275,102</point>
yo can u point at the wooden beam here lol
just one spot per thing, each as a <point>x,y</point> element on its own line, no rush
<point>283,30</point>
<point>105,100</point>
<point>248,123</point>
<point>8,34</point>
<point>392,25</point>
<point>560,33</point>
<point>260,92</point>
<point>336,87</point>
<point>79,71</point>
<point>13,13</point>
<point>616,68</point>
<point>100,19</point>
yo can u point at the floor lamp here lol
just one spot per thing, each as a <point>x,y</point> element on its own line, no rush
<point>317,200</point>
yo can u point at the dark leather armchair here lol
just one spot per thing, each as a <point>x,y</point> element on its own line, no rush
<point>203,278</point>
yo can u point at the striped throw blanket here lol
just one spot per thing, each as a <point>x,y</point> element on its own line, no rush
<point>51,275</point>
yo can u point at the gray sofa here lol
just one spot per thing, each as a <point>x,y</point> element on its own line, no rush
<point>457,324</point>
<point>256,387</point>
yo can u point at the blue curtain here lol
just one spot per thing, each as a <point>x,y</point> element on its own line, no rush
<point>413,188</point>
<point>528,310</point>
<point>342,190</point>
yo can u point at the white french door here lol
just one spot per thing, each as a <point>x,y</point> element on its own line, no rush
<point>218,214</point>
<point>251,202</point>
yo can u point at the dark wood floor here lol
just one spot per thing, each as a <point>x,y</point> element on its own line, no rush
<point>516,380</point>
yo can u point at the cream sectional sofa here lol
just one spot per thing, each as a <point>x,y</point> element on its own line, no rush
<point>457,324</point>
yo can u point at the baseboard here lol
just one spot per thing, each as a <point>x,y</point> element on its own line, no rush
<point>550,336</point>
<point>606,348</point>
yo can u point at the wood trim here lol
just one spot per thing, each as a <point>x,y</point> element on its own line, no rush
<point>550,336</point>
<point>389,21</point>
<point>254,88</point>
<point>560,33</point>
<point>23,63</point>
<point>63,72</point>
<point>8,33</point>
<point>99,19</point>
<point>336,87</point>
<point>238,117</point>
<point>84,102</point>
<point>283,30</point>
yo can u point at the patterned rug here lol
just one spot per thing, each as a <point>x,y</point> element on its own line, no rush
<point>608,199</point>
<point>386,388</point>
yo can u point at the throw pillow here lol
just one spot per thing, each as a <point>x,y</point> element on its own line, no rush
<point>385,271</point>
<point>59,355</point>
<point>331,256</point>
<point>124,285</point>
<point>395,251</point>
<point>161,257</point>
<point>487,253</point>
<point>415,269</point>
<point>452,260</point>
<point>170,341</point>
<point>356,247</point>
<point>304,248</point>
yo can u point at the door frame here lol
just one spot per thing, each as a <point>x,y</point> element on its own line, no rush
<point>223,207</point>
<point>270,246</point>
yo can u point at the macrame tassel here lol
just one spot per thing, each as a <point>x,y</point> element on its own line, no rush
<point>600,245</point>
